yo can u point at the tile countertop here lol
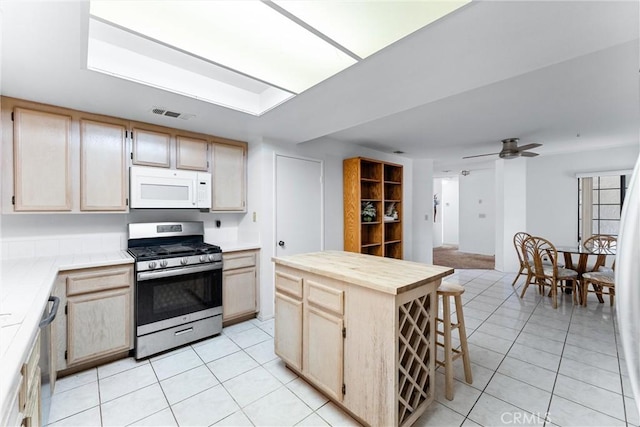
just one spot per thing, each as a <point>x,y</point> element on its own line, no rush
<point>25,286</point>
<point>237,246</point>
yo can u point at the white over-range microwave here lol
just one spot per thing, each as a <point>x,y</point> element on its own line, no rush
<point>169,189</point>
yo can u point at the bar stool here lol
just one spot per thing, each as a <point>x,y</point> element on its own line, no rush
<point>447,290</point>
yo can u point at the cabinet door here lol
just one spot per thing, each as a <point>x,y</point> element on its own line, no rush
<point>238,292</point>
<point>228,186</point>
<point>151,148</point>
<point>324,351</point>
<point>103,179</point>
<point>192,154</point>
<point>41,161</point>
<point>288,330</point>
<point>98,325</point>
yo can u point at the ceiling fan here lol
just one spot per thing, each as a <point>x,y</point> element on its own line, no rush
<point>510,150</point>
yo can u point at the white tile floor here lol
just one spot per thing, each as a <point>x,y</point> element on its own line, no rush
<point>532,365</point>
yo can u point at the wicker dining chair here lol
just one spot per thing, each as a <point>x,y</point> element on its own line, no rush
<point>545,269</point>
<point>600,241</point>
<point>518,239</point>
<point>599,281</point>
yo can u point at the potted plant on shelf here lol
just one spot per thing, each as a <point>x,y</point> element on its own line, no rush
<point>368,212</point>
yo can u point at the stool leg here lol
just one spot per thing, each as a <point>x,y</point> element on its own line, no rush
<point>448,353</point>
<point>463,341</point>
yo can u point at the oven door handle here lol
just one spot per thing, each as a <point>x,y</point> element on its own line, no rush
<point>149,275</point>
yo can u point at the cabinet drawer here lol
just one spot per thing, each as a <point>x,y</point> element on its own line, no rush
<point>240,260</point>
<point>98,280</point>
<point>289,284</point>
<point>324,297</point>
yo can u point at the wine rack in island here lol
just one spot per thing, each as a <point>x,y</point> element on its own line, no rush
<point>372,207</point>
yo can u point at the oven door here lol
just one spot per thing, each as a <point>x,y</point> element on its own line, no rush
<point>168,298</point>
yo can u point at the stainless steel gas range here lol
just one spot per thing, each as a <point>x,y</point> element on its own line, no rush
<point>178,287</point>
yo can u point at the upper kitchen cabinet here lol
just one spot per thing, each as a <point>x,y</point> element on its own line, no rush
<point>229,176</point>
<point>41,155</point>
<point>103,166</point>
<point>151,148</point>
<point>192,153</point>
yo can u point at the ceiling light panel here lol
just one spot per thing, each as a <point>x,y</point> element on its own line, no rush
<point>247,36</point>
<point>365,27</point>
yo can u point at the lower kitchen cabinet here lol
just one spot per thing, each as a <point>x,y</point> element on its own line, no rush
<point>239,285</point>
<point>288,322</point>
<point>97,323</point>
<point>24,408</point>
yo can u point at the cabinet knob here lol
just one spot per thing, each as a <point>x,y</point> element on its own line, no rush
<point>281,243</point>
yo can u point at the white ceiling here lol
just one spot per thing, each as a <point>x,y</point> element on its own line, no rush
<point>543,71</point>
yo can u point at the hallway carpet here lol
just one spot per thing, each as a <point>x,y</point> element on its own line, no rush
<point>450,256</point>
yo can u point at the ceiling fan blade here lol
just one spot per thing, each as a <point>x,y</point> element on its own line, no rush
<point>529,146</point>
<point>528,154</point>
<point>481,155</point>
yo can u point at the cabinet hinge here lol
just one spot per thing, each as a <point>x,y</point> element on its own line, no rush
<point>65,358</point>
<point>131,154</point>
<point>126,134</point>
<point>65,309</point>
<point>126,201</point>
<point>13,198</point>
<point>344,332</point>
<point>207,164</point>
<point>344,389</point>
<point>12,116</point>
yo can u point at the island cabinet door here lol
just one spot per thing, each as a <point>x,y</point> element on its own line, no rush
<point>324,337</point>
<point>324,351</point>
<point>288,330</point>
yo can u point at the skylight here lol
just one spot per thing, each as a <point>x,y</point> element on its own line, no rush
<point>247,55</point>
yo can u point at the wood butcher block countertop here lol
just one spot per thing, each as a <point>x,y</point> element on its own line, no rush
<point>389,275</point>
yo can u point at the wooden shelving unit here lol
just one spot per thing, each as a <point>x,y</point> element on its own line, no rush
<point>378,182</point>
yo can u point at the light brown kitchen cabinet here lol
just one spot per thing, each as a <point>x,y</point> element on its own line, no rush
<point>323,331</point>
<point>192,153</point>
<point>229,177</point>
<point>97,322</point>
<point>103,166</point>
<point>29,389</point>
<point>151,147</point>
<point>42,173</point>
<point>239,285</point>
<point>288,319</point>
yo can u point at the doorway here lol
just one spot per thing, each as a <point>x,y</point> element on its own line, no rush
<point>299,207</point>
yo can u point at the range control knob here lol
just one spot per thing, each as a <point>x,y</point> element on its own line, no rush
<point>163,263</point>
<point>152,265</point>
<point>184,261</point>
<point>203,258</point>
<point>211,258</point>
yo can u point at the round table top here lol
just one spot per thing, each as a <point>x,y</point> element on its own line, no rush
<point>589,251</point>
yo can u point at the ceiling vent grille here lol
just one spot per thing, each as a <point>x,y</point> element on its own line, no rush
<point>164,112</point>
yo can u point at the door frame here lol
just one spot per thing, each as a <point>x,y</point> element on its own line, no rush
<point>275,196</point>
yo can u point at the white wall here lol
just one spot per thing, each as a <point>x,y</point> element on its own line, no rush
<point>511,210</point>
<point>422,197</point>
<point>437,221</point>
<point>552,189</point>
<point>477,212</point>
<point>449,211</point>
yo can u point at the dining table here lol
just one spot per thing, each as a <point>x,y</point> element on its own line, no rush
<point>582,266</point>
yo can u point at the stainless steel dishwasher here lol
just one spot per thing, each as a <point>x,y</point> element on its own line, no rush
<point>45,357</point>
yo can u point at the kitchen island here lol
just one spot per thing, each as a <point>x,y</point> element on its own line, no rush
<point>361,329</point>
